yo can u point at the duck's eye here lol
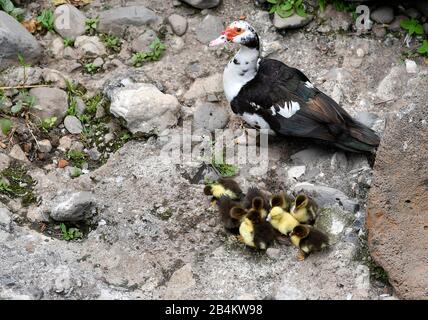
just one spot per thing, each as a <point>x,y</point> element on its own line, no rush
<point>239,29</point>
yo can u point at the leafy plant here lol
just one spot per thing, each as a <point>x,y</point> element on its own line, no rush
<point>68,42</point>
<point>72,107</point>
<point>111,42</point>
<point>24,102</point>
<point>46,19</point>
<point>5,125</point>
<point>412,26</point>
<point>10,9</point>
<point>156,50</point>
<point>341,5</point>
<point>76,157</point>
<point>20,184</point>
<point>91,68</point>
<point>286,8</point>
<point>92,103</point>
<point>91,25</point>
<point>423,48</point>
<point>70,233</point>
<point>48,123</point>
<point>322,4</point>
<point>5,187</point>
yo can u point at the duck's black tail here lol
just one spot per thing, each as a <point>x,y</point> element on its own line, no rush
<point>358,138</point>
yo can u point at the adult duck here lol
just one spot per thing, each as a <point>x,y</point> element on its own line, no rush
<point>270,95</point>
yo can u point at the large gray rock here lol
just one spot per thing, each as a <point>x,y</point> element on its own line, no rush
<point>73,125</point>
<point>75,206</point>
<point>205,86</point>
<point>115,21</point>
<point>383,14</point>
<point>209,29</point>
<point>14,40</point>
<point>69,21</point>
<point>292,22</point>
<point>15,76</point>
<point>178,24</point>
<point>203,4</point>
<point>144,108</point>
<point>50,102</point>
<point>210,116</point>
<point>90,47</point>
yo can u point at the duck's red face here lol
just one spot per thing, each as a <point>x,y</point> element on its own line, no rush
<point>234,33</point>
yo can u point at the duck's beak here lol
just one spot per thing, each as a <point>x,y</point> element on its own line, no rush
<point>219,41</point>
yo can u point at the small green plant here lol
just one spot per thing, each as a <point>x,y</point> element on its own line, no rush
<point>48,124</point>
<point>73,89</point>
<point>72,107</point>
<point>156,50</point>
<point>68,42</point>
<point>70,233</point>
<point>46,19</point>
<point>77,158</point>
<point>10,9</point>
<point>322,4</point>
<point>343,6</point>
<point>91,68</point>
<point>91,25</point>
<point>423,48</point>
<point>111,42</point>
<point>412,26</point>
<point>92,103</point>
<point>5,187</point>
<point>286,8</point>
<point>24,102</point>
<point>5,125</point>
<point>224,169</point>
<point>84,118</point>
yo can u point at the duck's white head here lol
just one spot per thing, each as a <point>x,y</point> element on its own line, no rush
<point>240,32</point>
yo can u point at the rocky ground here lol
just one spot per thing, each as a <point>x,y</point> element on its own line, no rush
<point>92,207</point>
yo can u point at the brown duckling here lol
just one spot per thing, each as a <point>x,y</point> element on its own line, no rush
<point>225,204</point>
<point>253,193</point>
<point>308,239</point>
<point>224,186</point>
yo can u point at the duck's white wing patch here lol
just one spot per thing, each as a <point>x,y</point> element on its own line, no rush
<point>288,110</point>
<point>256,121</point>
<point>309,85</point>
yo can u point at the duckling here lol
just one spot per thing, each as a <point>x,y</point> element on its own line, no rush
<point>308,239</point>
<point>281,220</point>
<point>246,227</point>
<point>304,209</point>
<point>253,193</point>
<point>224,186</point>
<point>281,200</point>
<point>225,204</point>
<point>263,231</point>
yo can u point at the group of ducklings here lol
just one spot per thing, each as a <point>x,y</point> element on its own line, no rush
<point>258,219</point>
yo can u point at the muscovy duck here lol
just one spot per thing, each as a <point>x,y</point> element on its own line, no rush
<point>270,95</point>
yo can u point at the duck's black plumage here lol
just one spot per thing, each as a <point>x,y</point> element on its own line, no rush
<point>278,87</point>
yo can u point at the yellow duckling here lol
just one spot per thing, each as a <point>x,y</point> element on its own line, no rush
<point>224,187</point>
<point>304,209</point>
<point>246,228</point>
<point>280,219</point>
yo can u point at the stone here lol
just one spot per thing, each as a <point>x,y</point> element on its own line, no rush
<point>69,22</point>
<point>55,77</point>
<point>422,6</point>
<point>75,206</point>
<point>98,62</point>
<point>411,66</point>
<point>144,108</point>
<point>383,14</point>
<point>90,46</point>
<point>94,154</point>
<point>292,22</point>
<point>77,145</point>
<point>16,76</point>
<point>178,24</point>
<point>413,13</point>
<point>209,29</point>
<point>5,218</point>
<point>143,41</point>
<point>379,31</point>
<point>50,102</point>
<point>62,283</point>
<point>202,4</point>
<point>205,86</point>
<point>366,118</point>
<point>391,87</point>
<point>296,172</point>
<point>73,125</point>
<point>395,26</point>
<point>80,105</point>
<point>4,161</point>
<point>336,20</point>
<point>14,40</point>
<point>181,281</point>
<point>327,196</point>
<point>210,116</point>
<point>57,47</point>
<point>100,112</point>
<point>116,21</point>
<point>64,144</point>
<point>309,156</point>
<point>17,154</point>
<point>397,215</point>
<point>45,146</point>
